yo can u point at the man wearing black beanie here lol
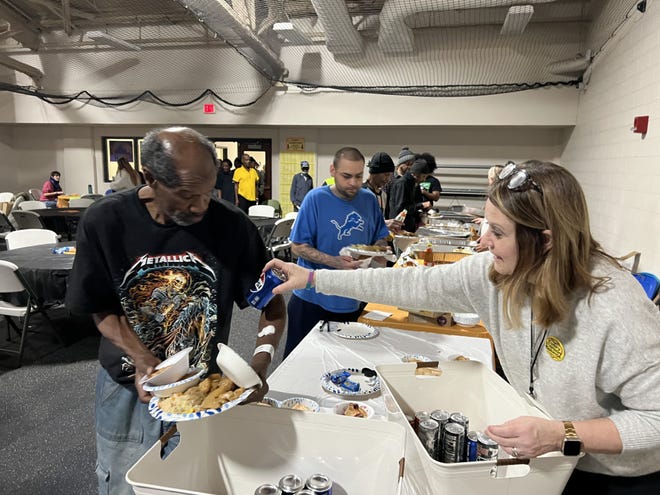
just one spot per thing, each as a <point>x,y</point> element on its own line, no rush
<point>381,168</point>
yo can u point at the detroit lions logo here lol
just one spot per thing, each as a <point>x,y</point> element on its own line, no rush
<point>353,222</point>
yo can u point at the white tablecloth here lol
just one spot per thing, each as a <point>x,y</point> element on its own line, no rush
<point>320,352</point>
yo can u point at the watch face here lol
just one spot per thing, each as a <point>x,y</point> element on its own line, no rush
<point>572,447</point>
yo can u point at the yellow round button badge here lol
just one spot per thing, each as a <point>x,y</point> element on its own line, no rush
<point>555,348</point>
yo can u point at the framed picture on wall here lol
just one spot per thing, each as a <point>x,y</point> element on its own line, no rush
<point>138,156</point>
<point>114,149</point>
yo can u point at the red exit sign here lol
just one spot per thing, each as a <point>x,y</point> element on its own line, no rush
<point>209,108</point>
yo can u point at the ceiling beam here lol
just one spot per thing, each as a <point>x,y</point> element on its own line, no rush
<point>28,33</point>
<point>66,17</point>
<point>26,69</point>
<point>219,16</point>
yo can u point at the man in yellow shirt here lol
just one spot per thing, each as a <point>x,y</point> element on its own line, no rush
<point>245,184</point>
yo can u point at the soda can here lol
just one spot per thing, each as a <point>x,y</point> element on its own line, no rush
<point>262,292</point>
<point>290,484</point>
<point>454,443</point>
<point>305,491</point>
<point>428,432</point>
<point>487,448</point>
<point>267,489</point>
<point>319,484</point>
<point>419,417</point>
<point>462,420</point>
<point>471,447</point>
<point>442,417</point>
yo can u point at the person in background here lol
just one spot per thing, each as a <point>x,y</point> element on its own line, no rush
<point>157,277</point>
<point>302,183</point>
<point>493,172</point>
<point>381,168</point>
<point>404,195</point>
<point>430,188</point>
<point>330,219</point>
<point>126,176</point>
<point>224,182</point>
<point>404,162</point>
<point>261,183</point>
<point>245,184</point>
<point>51,190</point>
<point>571,328</point>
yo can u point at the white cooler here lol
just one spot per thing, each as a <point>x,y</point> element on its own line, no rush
<point>485,398</point>
<point>238,450</point>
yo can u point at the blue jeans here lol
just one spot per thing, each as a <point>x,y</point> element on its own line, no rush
<point>124,432</point>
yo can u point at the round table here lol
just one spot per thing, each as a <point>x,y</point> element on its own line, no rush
<point>44,271</point>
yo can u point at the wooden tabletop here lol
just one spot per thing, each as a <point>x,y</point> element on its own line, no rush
<point>404,321</point>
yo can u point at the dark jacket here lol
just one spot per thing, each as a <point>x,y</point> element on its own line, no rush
<point>402,197</point>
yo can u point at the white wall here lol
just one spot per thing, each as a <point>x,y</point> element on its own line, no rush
<point>618,169</point>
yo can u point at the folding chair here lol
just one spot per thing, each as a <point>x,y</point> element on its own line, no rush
<point>278,239</point>
<point>30,237</point>
<point>12,282</point>
<point>278,207</point>
<point>80,202</point>
<point>32,205</point>
<point>261,211</point>
<point>651,285</point>
<point>35,193</point>
<point>27,220</point>
<point>5,227</point>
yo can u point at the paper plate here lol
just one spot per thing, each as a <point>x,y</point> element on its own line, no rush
<point>300,403</point>
<point>352,330</point>
<point>193,377</point>
<point>161,415</point>
<point>368,385</point>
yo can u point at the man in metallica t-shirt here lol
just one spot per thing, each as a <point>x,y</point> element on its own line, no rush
<point>160,268</point>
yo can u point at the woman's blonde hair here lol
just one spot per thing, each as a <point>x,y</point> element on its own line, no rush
<point>551,199</point>
<point>124,164</point>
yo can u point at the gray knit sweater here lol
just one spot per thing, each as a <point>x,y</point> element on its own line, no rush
<point>611,366</point>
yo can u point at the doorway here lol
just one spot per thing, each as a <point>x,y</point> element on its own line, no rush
<point>259,149</point>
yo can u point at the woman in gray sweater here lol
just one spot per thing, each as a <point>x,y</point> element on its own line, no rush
<point>571,328</point>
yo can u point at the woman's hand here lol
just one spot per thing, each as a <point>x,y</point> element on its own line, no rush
<point>528,436</point>
<point>297,276</point>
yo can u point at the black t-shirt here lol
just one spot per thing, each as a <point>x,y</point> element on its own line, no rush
<point>225,183</point>
<point>176,285</point>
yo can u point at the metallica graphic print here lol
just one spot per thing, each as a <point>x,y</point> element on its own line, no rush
<point>170,301</point>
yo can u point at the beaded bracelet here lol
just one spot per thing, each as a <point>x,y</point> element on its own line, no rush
<point>310,280</point>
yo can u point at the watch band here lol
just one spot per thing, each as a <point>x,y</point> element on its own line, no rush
<point>569,430</point>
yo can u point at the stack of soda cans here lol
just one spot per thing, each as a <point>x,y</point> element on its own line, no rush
<point>448,438</point>
<point>292,484</point>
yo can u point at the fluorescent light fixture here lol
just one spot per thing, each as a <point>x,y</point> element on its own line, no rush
<point>289,32</point>
<point>106,39</point>
<point>517,19</point>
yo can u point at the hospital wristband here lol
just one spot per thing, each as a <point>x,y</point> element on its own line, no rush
<point>269,348</point>
<point>310,280</point>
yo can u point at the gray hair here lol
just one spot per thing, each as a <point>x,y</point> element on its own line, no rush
<point>156,153</point>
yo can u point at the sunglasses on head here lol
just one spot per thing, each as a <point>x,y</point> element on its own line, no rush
<point>517,177</point>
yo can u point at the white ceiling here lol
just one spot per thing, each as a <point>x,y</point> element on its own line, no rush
<point>185,46</point>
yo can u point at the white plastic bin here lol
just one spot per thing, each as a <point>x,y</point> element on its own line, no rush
<point>234,452</point>
<point>485,398</point>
